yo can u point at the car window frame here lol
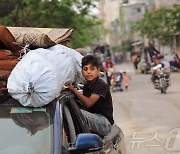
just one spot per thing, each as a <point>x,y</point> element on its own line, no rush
<point>73,114</point>
<point>70,124</point>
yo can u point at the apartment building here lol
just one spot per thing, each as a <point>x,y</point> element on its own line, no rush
<point>119,15</point>
<point>129,14</point>
<point>109,12</point>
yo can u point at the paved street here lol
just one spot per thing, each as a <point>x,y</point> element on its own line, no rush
<point>150,120</point>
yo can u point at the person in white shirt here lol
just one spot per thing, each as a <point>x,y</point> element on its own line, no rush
<point>158,64</point>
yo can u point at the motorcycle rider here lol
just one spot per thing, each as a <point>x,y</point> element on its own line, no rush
<point>158,63</point>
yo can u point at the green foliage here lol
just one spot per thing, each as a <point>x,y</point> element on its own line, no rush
<point>122,48</point>
<point>53,14</point>
<point>127,47</point>
<point>159,24</point>
<point>117,48</point>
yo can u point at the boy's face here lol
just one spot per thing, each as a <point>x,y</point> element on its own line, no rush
<point>90,72</point>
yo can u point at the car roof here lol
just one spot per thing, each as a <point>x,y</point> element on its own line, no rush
<point>13,102</point>
<point>10,101</point>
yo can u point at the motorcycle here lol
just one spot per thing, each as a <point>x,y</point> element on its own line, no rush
<point>161,81</point>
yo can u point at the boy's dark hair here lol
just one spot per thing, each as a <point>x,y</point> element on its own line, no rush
<point>90,59</point>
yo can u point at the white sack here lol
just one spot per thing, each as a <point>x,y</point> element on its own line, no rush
<point>64,63</point>
<point>73,53</point>
<point>77,57</point>
<point>34,81</point>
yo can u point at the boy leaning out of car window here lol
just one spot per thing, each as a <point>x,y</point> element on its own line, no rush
<point>96,98</point>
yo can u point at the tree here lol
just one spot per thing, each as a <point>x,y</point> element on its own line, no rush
<point>160,24</point>
<point>53,14</point>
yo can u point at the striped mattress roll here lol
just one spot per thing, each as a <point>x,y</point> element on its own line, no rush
<point>4,74</point>
<point>8,64</point>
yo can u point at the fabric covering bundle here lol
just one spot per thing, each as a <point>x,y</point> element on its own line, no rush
<point>41,74</point>
<point>41,37</point>
<point>7,63</point>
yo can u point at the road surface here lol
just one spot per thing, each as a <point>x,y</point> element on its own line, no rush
<point>150,120</point>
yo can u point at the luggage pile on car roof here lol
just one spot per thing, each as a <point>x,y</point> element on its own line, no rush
<point>36,74</point>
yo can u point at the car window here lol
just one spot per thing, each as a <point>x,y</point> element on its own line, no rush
<point>24,129</point>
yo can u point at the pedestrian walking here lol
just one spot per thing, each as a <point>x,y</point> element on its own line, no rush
<point>125,78</point>
<point>136,59</point>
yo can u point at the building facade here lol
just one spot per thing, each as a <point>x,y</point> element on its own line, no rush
<point>119,15</point>
<point>109,12</point>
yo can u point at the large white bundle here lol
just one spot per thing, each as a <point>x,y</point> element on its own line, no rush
<point>77,57</point>
<point>34,81</point>
<point>65,64</point>
<point>39,77</point>
<point>73,53</point>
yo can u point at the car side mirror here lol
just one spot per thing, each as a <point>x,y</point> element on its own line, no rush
<point>86,142</point>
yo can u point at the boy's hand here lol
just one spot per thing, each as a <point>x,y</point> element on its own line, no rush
<point>70,86</point>
<point>87,101</point>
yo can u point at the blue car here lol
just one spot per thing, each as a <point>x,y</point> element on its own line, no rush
<point>56,128</point>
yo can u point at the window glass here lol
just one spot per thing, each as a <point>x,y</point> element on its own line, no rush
<point>23,131</point>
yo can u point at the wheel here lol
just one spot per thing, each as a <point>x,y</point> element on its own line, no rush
<point>163,86</point>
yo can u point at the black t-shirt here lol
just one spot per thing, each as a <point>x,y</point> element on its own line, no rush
<point>104,104</point>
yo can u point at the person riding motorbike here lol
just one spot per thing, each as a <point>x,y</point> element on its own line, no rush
<point>157,63</point>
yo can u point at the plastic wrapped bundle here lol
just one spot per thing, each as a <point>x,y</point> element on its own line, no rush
<point>34,81</point>
<point>77,58</point>
<point>41,74</point>
<point>64,63</point>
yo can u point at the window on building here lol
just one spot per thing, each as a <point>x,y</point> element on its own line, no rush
<point>138,9</point>
<point>125,1</point>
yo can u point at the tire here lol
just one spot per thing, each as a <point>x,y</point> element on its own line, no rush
<point>163,85</point>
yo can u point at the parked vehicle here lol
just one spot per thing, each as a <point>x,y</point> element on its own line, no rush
<point>174,61</point>
<point>161,81</point>
<point>56,128</point>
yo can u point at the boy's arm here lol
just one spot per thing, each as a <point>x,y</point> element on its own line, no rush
<point>87,101</point>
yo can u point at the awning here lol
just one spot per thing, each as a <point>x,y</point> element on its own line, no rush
<point>137,43</point>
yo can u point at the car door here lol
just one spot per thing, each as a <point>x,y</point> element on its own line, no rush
<point>113,143</point>
<point>73,123</point>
